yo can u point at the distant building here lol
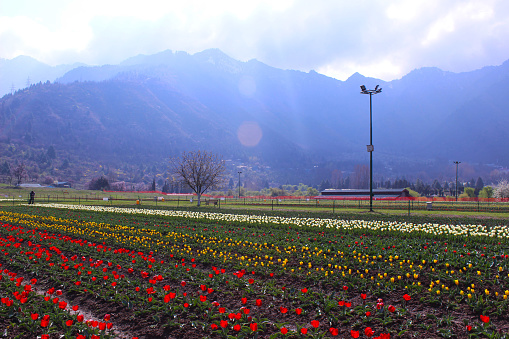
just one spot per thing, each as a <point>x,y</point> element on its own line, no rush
<point>360,193</point>
<point>30,185</point>
<point>63,184</point>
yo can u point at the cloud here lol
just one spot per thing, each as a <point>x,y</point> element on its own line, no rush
<point>376,38</point>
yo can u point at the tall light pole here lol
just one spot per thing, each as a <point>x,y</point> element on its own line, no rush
<point>457,163</point>
<point>370,146</point>
<point>239,183</point>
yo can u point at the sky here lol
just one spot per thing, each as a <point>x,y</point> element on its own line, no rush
<point>380,39</point>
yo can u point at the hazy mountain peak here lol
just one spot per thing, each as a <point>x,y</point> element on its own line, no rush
<point>427,72</point>
<point>23,71</point>
<point>219,59</point>
<point>356,77</point>
<point>154,59</point>
<point>21,61</point>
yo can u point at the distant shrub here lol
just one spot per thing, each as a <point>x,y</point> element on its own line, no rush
<point>486,192</point>
<point>48,180</point>
<point>118,186</point>
<point>468,193</point>
<point>99,184</point>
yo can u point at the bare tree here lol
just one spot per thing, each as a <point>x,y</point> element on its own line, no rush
<point>20,172</point>
<point>199,170</point>
<point>360,177</point>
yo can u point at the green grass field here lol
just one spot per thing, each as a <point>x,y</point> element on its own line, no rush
<point>322,208</point>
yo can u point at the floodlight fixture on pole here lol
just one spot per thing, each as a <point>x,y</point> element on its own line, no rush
<point>457,163</point>
<point>370,147</point>
<point>239,183</point>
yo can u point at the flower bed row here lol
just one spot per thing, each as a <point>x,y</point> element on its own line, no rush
<point>216,277</point>
<point>434,229</point>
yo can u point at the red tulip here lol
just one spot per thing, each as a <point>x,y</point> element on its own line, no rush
<point>107,317</point>
<point>236,328</point>
<point>368,332</point>
<point>485,319</point>
<point>243,300</point>
<point>391,308</point>
<point>69,322</point>
<point>258,302</point>
<point>304,290</point>
<point>283,309</point>
<point>303,330</point>
<point>213,326</point>
<point>224,323</point>
<point>315,323</point>
<point>406,297</point>
<point>75,308</point>
<point>363,296</point>
<point>203,298</point>
<point>354,334</point>
<point>334,331</point>
<point>284,330</point>
<point>298,311</point>
<point>35,316</point>
<point>253,327</point>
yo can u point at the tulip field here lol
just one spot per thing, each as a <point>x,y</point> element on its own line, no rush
<point>76,271</point>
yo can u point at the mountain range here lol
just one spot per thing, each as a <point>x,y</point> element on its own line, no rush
<point>150,107</point>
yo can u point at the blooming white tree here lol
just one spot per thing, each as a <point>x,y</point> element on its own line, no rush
<point>501,190</point>
<point>199,170</point>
